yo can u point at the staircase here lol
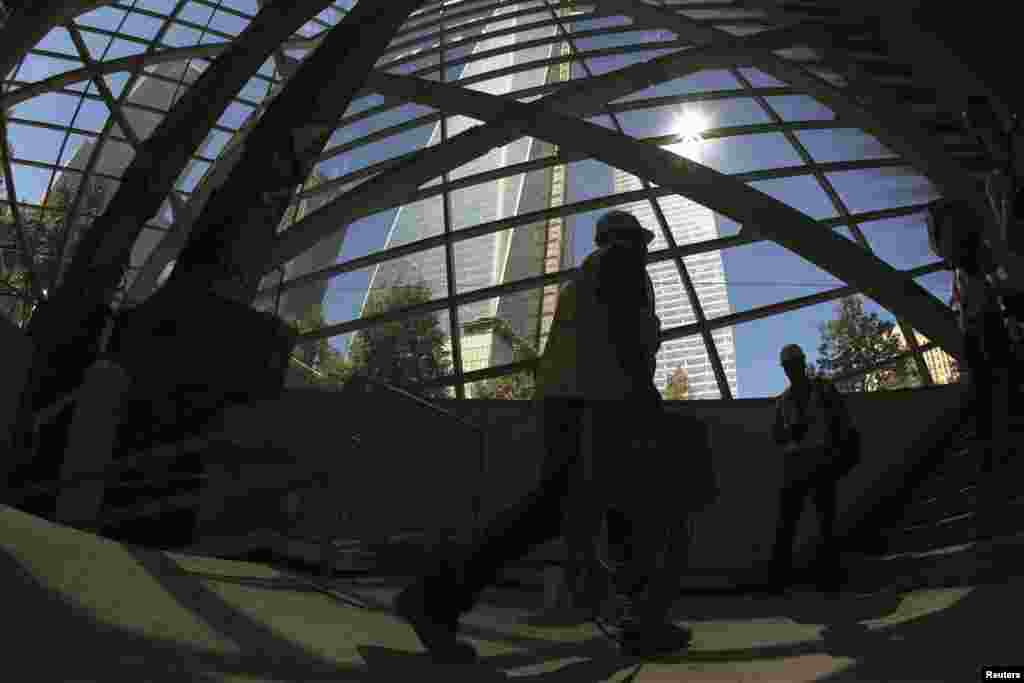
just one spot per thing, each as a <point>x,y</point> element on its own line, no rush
<point>959,527</point>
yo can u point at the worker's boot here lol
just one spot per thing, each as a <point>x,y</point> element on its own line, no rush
<point>429,607</point>
<point>651,639</point>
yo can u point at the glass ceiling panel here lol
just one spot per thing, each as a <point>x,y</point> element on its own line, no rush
<point>103,17</point>
<point>939,284</point>
<point>841,144</point>
<point>235,115</point>
<point>760,79</point>
<point>124,48</point>
<point>92,116</point>
<point>195,12</point>
<point>702,81</point>
<point>623,39</point>
<point>580,25</point>
<point>250,7</point>
<point>30,182</point>
<point>602,65</point>
<point>588,179</point>
<point>746,153</point>
<point>803,193</point>
<point>800,108</point>
<point>901,242</point>
<point>378,122</point>
<point>115,82</point>
<point>367,155</point>
<point>753,282</point>
<point>58,40</point>
<point>40,67</point>
<point>714,113</point>
<point>52,108</point>
<point>164,7</point>
<point>34,144</point>
<point>75,143</point>
<point>231,24</point>
<point>181,36</point>
<point>882,188</point>
<point>142,26</point>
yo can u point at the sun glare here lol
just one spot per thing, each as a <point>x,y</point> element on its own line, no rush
<point>690,126</point>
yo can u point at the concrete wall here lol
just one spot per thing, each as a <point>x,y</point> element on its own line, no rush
<point>415,467</point>
<point>14,367</point>
<point>738,531</point>
<point>408,472</point>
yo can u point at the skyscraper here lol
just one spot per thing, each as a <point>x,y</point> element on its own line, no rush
<point>157,89</point>
<point>689,222</point>
<point>508,255</point>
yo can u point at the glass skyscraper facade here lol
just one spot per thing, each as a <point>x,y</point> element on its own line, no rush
<point>504,256</point>
<point>689,223</point>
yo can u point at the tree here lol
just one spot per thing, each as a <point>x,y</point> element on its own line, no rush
<point>519,386</point>
<point>678,386</point>
<point>403,352</point>
<point>334,369</point>
<point>855,340</point>
<point>49,238</point>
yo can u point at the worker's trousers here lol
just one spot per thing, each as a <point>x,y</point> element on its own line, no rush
<point>534,520</point>
<point>987,356</point>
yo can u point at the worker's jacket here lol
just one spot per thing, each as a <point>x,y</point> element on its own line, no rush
<point>605,334</point>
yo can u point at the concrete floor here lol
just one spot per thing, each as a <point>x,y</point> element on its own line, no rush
<point>82,608</point>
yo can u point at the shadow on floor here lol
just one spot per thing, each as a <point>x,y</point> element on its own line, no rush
<point>950,644</point>
<point>296,584</point>
<point>56,640</point>
<point>395,665</point>
<point>941,638</point>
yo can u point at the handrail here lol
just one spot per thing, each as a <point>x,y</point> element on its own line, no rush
<point>423,402</point>
<point>167,452</point>
<point>398,390</point>
<point>438,410</point>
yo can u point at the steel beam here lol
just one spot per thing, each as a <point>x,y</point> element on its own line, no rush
<point>889,125</point>
<point>690,330</point>
<point>232,238</point>
<point>177,236</point>
<point>403,180</point>
<point>164,155</point>
<point>29,24</point>
<point>756,211</point>
<point>563,210</point>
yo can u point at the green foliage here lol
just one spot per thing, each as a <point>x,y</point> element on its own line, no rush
<point>334,369</point>
<point>678,386</point>
<point>855,340</point>
<point>48,238</point>
<point>403,352</point>
<point>519,386</point>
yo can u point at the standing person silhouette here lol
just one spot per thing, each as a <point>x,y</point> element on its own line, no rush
<point>820,444</point>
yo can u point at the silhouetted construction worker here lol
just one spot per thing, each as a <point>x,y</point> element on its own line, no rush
<point>599,353</point>
<point>821,445</point>
<point>977,285</point>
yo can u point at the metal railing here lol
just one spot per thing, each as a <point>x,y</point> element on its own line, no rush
<point>152,459</point>
<point>481,432</point>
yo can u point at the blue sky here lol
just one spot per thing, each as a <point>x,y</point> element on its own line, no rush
<point>757,275</point>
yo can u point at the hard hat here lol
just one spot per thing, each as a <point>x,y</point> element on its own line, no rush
<point>616,221</point>
<point>791,352</point>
